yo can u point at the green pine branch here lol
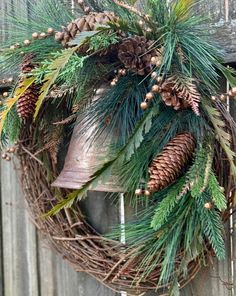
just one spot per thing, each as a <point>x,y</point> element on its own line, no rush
<point>217,192</point>
<point>212,228</point>
<point>167,205</point>
<point>198,174</point>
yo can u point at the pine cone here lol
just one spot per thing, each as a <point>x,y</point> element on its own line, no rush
<point>136,55</point>
<point>27,102</point>
<point>181,93</point>
<point>167,166</point>
<point>171,96</point>
<point>27,66</point>
<point>86,23</point>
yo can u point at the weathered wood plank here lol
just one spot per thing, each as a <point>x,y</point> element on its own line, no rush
<point>19,239</point>
<point>56,276</point>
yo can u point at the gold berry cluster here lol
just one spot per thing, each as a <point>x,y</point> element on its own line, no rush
<point>7,154</point>
<point>35,36</point>
<point>6,81</point>
<point>156,88</point>
<point>230,94</point>
<point>121,72</point>
<point>140,192</point>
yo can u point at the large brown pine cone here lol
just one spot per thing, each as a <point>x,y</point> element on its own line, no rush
<point>136,55</point>
<point>86,23</point>
<point>27,102</point>
<point>167,166</point>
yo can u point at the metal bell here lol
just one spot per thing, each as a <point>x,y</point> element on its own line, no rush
<point>84,158</point>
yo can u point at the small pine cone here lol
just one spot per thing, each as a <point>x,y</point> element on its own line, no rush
<point>27,66</point>
<point>171,96</point>
<point>136,55</point>
<point>86,23</point>
<point>27,102</point>
<point>167,166</point>
<point>181,93</point>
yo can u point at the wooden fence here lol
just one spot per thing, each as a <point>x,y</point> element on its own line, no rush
<point>27,265</point>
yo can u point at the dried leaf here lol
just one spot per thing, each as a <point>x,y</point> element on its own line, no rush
<point>223,136</point>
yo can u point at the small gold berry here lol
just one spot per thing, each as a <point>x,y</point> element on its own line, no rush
<point>138,192</point>
<point>159,79</point>
<point>119,72</point>
<point>141,23</point>
<point>5,94</point>
<point>80,2</point>
<point>213,98</point>
<point>42,35</point>
<point>208,205</point>
<point>113,83</point>
<point>27,42</point>
<point>59,36</point>
<point>4,155</point>
<point>12,47</point>
<point>12,150</point>
<point>233,90</point>
<point>156,88</point>
<point>87,9</point>
<point>17,45</point>
<point>222,97</point>
<point>123,72</point>
<point>149,96</point>
<point>50,31</point>
<point>35,35</point>
<point>10,79</point>
<point>147,193</point>
<point>149,30</point>
<point>230,93</point>
<point>154,75</point>
<point>8,158</point>
<point>153,60</point>
<point>144,105</point>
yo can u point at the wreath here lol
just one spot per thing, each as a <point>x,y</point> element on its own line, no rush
<point>131,96</point>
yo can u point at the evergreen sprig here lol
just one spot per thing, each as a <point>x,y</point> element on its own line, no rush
<point>217,192</point>
<point>167,205</point>
<point>212,226</point>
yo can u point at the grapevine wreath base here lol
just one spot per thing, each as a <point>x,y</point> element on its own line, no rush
<point>71,236</point>
<point>69,233</point>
